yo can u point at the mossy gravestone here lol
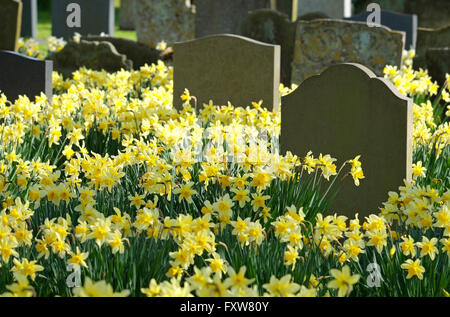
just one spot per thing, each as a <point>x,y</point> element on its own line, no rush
<point>127,15</point>
<point>87,17</point>
<point>438,63</point>
<point>273,27</point>
<point>10,24</point>
<point>322,43</point>
<point>22,75</point>
<point>92,55</point>
<point>348,111</point>
<point>430,38</point>
<point>226,68</point>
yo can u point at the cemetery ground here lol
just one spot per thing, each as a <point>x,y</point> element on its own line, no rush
<point>91,187</point>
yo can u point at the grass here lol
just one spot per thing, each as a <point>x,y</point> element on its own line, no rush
<point>45,27</point>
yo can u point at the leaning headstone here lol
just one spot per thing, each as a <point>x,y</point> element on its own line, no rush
<point>226,68</point>
<point>438,63</point>
<point>428,38</point>
<point>92,55</point>
<point>87,17</point>
<point>220,17</point>
<point>322,43</point>
<point>127,15</point>
<point>140,54</point>
<point>22,75</point>
<point>29,19</point>
<point>332,8</point>
<point>273,27</point>
<point>10,24</point>
<point>348,111</point>
<point>168,21</point>
<point>395,21</point>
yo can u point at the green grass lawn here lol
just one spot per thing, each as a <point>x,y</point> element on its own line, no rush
<point>45,27</point>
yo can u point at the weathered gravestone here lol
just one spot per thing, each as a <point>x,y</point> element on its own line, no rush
<point>395,21</point>
<point>226,68</point>
<point>430,38</point>
<point>332,8</point>
<point>432,14</point>
<point>10,24</point>
<point>348,111</point>
<point>87,17</point>
<point>140,54</point>
<point>170,21</point>
<point>22,75</point>
<point>127,15</point>
<point>219,17</point>
<point>29,18</point>
<point>273,27</point>
<point>92,55</point>
<point>438,63</point>
<point>322,43</point>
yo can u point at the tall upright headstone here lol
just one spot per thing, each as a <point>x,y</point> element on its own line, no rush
<point>10,24</point>
<point>322,43</point>
<point>226,68</point>
<point>395,21</point>
<point>29,18</point>
<point>170,21</point>
<point>430,38</point>
<point>332,8</point>
<point>87,17</point>
<point>348,111</point>
<point>22,75</point>
<point>219,17</point>
<point>273,27</point>
<point>127,15</point>
<point>438,63</point>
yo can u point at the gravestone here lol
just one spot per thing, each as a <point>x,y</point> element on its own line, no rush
<point>140,54</point>
<point>10,24</point>
<point>313,16</point>
<point>432,14</point>
<point>395,21</point>
<point>348,111</point>
<point>92,55</point>
<point>438,63</point>
<point>87,17</point>
<point>273,27</point>
<point>170,21</point>
<point>219,17</point>
<point>322,43</point>
<point>22,75</point>
<point>127,15</point>
<point>332,8</point>
<point>430,38</point>
<point>226,68</point>
<point>29,18</point>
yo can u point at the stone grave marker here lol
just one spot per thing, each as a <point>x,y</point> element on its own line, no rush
<point>348,111</point>
<point>273,27</point>
<point>170,21</point>
<point>322,43</point>
<point>140,54</point>
<point>29,18</point>
<point>220,17</point>
<point>10,24</point>
<point>127,15</point>
<point>22,75</point>
<point>87,17</point>
<point>395,21</point>
<point>332,8</point>
<point>92,55</point>
<point>226,68</point>
<point>438,63</point>
<point>430,38</point>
